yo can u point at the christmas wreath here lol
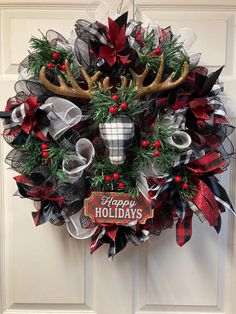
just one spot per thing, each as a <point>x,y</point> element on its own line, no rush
<point>118,133</point>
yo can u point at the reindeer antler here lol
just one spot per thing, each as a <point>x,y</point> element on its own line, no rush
<point>75,90</point>
<point>106,83</point>
<point>157,85</point>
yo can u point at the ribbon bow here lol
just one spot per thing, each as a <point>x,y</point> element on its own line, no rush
<point>63,115</point>
<point>78,163</point>
<point>111,43</point>
<point>50,208</point>
<point>24,114</point>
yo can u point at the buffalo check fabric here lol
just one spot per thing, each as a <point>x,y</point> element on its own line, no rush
<point>184,228</point>
<point>98,32</point>
<point>117,136</point>
<point>188,156</point>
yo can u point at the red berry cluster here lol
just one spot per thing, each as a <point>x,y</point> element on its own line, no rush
<point>44,148</point>
<point>179,179</point>
<point>156,52</point>
<point>114,109</point>
<point>115,177</point>
<point>55,63</point>
<point>155,144</point>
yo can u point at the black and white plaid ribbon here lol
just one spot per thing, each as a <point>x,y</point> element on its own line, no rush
<point>117,136</point>
<point>131,31</point>
<point>217,88</point>
<point>188,156</point>
<point>197,211</point>
<point>159,188</point>
<point>59,218</point>
<point>225,204</point>
<point>98,32</point>
<point>46,213</point>
<point>218,102</point>
<point>19,113</point>
<point>132,236</point>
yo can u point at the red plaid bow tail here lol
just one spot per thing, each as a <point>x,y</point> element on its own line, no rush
<point>45,193</point>
<point>184,228</point>
<point>211,162</point>
<point>206,202</point>
<point>49,206</point>
<point>96,239</point>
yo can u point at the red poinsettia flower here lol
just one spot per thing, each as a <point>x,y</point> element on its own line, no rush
<point>118,39</point>
<point>113,44</point>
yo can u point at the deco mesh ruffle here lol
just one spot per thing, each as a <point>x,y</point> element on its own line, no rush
<point>118,133</point>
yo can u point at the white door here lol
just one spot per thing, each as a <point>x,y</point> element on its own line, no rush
<point>43,270</point>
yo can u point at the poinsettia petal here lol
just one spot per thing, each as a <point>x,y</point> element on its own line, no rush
<point>122,20</point>
<point>113,30</point>
<point>120,41</point>
<point>123,59</point>
<point>108,54</point>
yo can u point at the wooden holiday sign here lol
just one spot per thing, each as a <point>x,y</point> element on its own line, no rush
<point>117,208</point>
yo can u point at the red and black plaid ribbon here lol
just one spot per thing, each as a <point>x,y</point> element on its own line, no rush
<point>24,114</point>
<point>184,228</point>
<point>211,162</point>
<point>204,199</point>
<point>51,204</point>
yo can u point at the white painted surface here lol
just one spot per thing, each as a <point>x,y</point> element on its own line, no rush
<point>42,269</point>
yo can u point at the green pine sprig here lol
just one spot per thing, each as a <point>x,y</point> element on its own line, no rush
<point>34,155</point>
<point>41,55</point>
<point>102,102</point>
<point>57,153</point>
<point>172,51</point>
<point>127,175</point>
<point>167,152</point>
<point>189,193</point>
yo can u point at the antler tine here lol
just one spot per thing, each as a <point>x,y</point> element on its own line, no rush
<point>106,83</point>
<point>157,85</point>
<point>123,82</point>
<point>159,72</point>
<point>139,78</point>
<point>75,90</point>
<point>169,83</point>
<point>89,79</point>
<point>143,90</point>
<point>75,87</point>
<point>50,86</point>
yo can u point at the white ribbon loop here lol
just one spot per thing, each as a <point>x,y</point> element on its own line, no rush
<point>78,163</point>
<point>63,115</point>
<point>180,139</point>
<point>186,36</point>
<point>75,228</point>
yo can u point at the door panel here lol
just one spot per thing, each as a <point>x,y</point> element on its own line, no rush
<point>42,269</point>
